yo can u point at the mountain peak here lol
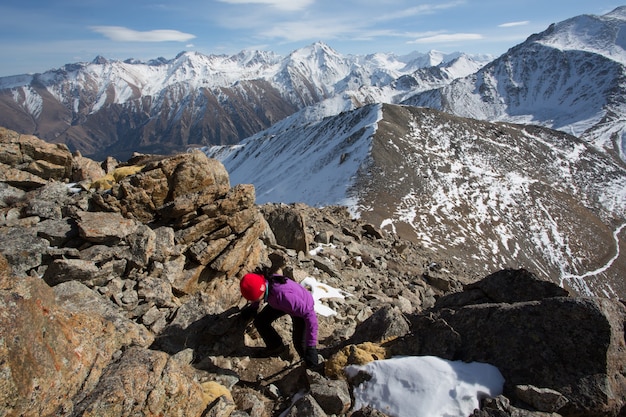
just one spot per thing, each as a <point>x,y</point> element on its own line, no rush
<point>589,33</point>
<point>100,60</point>
<point>618,13</point>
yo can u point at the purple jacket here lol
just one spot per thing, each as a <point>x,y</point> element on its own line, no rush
<point>295,300</point>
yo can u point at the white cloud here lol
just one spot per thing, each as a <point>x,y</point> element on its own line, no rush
<point>448,37</point>
<point>512,24</point>
<point>291,5</point>
<point>122,34</point>
<point>312,29</point>
<point>423,9</point>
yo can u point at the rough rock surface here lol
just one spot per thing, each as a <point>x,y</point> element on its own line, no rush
<point>125,301</point>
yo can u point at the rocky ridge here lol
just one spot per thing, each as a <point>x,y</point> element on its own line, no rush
<point>122,299</point>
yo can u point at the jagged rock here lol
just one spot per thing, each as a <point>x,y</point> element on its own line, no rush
<point>142,244</point>
<point>501,407</point>
<point>9,195</point>
<point>43,159</point>
<point>85,169</point>
<point>175,272</point>
<point>145,382</point>
<point>201,226</point>
<point>288,226</point>
<point>63,270</point>
<point>506,286</point>
<point>386,323</point>
<point>205,251</point>
<point>570,345</point>
<point>155,291</point>
<point>51,355</point>
<point>102,227</point>
<point>78,298</point>
<point>324,237</point>
<point>103,253</point>
<point>371,230</point>
<point>326,265</point>
<point>220,400</point>
<point>251,403</point>
<point>306,406</point>
<point>19,178</point>
<point>165,247</point>
<point>202,326</point>
<point>542,399</point>
<point>239,253</point>
<point>22,248</point>
<point>178,185</point>
<point>333,396</point>
<point>57,232</point>
<point>155,319</point>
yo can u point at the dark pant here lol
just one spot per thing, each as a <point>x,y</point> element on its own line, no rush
<point>263,323</point>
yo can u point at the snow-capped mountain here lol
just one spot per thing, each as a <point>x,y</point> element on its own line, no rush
<point>484,195</point>
<point>114,108</point>
<point>571,77</point>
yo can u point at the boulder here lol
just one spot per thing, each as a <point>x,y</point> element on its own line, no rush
<point>306,406</point>
<point>288,226</point>
<point>9,195</point>
<point>64,270</point>
<point>102,227</point>
<point>19,178</point>
<point>145,382</point>
<point>571,345</point>
<point>57,232</point>
<point>505,286</point>
<point>333,396</point>
<point>22,248</point>
<point>177,186</point>
<point>31,154</point>
<point>85,169</point>
<point>51,355</point>
<point>386,323</point>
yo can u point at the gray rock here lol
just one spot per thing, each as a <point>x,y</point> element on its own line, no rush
<point>543,399</point>
<point>142,243</point>
<point>385,323</point>
<point>160,386</point>
<point>333,396</point>
<point>22,248</point>
<point>306,406</point>
<point>155,291</point>
<point>10,195</point>
<point>75,296</point>
<point>57,232</point>
<point>63,270</point>
<point>288,226</point>
<point>570,345</point>
<point>102,227</point>
<point>48,201</point>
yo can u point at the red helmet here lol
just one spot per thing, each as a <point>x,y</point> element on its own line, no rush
<point>252,286</point>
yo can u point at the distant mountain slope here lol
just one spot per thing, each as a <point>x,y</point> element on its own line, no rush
<point>115,108</point>
<point>572,77</point>
<point>486,195</point>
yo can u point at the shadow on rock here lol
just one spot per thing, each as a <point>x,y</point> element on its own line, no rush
<point>212,335</point>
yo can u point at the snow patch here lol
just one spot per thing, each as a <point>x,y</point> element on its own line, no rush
<point>321,291</point>
<point>425,386</point>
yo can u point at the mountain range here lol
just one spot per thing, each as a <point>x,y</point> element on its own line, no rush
<point>510,162</point>
<point>501,192</point>
<point>105,108</point>
<point>483,195</point>
<point>570,77</point>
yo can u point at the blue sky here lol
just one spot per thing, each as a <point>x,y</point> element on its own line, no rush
<point>38,35</point>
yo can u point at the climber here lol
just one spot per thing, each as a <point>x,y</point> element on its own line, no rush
<point>282,296</point>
